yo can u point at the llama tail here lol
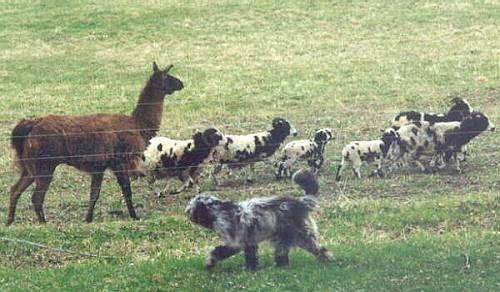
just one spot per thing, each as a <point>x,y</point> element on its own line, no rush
<point>307,179</point>
<point>19,135</point>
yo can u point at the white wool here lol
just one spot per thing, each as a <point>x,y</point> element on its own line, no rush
<point>169,147</point>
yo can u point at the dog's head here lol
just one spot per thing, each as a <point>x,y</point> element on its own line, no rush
<point>205,209</point>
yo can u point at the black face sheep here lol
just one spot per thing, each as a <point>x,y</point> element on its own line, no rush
<point>458,137</point>
<point>459,110</point>
<point>166,158</point>
<point>90,143</point>
<point>243,150</point>
<point>284,221</point>
<point>311,150</point>
<point>438,142</point>
<point>374,151</point>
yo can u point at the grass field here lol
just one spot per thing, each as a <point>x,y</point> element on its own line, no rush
<point>348,65</point>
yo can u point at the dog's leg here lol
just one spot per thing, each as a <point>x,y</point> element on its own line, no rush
<point>281,255</point>
<point>310,243</point>
<point>252,257</point>
<point>218,254</point>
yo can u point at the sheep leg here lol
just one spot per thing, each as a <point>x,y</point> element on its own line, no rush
<point>188,182</point>
<point>124,182</point>
<point>340,168</point>
<point>356,168</point>
<point>250,174</point>
<point>15,192</point>
<point>216,169</point>
<point>42,185</point>
<point>95,189</point>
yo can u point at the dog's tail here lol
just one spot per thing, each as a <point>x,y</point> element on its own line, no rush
<point>307,179</point>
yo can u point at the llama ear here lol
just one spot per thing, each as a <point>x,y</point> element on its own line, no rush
<point>155,67</point>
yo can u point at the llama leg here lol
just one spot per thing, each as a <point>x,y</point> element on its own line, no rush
<point>15,192</point>
<point>95,189</point>
<point>124,182</point>
<point>218,254</point>
<point>42,185</point>
<point>252,257</point>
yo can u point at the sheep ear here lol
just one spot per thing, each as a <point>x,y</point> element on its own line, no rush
<point>168,68</point>
<point>382,130</point>
<point>155,67</point>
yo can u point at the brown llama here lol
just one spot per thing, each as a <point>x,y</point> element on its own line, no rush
<point>89,143</point>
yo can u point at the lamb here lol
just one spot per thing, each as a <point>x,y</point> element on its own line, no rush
<point>374,151</point>
<point>458,112</point>
<point>89,143</point>
<point>167,158</point>
<point>243,150</point>
<point>312,150</point>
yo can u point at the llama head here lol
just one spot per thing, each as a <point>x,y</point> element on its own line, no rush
<point>162,80</point>
<point>323,136</point>
<point>283,127</point>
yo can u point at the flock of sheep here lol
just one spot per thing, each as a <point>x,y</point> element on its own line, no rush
<point>429,141</point>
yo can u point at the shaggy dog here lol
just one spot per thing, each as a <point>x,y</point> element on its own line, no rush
<point>284,221</point>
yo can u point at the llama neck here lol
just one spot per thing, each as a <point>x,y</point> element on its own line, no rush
<point>148,111</point>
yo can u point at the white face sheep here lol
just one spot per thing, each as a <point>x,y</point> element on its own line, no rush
<point>458,112</point>
<point>242,150</point>
<point>165,158</point>
<point>374,151</point>
<point>312,150</point>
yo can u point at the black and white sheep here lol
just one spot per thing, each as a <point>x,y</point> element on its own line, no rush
<point>311,150</point>
<point>373,151</point>
<point>242,150</point>
<point>456,138</point>
<point>459,110</point>
<point>167,158</point>
<point>437,143</point>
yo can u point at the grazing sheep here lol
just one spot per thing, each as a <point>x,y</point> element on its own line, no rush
<point>458,112</point>
<point>285,222</point>
<point>89,143</point>
<point>242,150</point>
<point>374,151</point>
<point>312,150</point>
<point>166,158</point>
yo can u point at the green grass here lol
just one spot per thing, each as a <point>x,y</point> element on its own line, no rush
<point>348,65</point>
